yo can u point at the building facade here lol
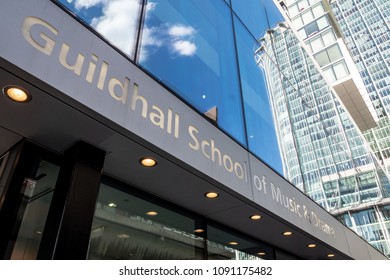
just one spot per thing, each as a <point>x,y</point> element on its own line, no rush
<point>313,81</point>
<point>141,130</point>
<point>365,27</point>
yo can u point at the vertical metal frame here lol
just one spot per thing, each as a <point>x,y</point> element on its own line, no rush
<point>68,226</point>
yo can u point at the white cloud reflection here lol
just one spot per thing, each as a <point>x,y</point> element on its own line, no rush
<point>86,4</point>
<point>118,23</point>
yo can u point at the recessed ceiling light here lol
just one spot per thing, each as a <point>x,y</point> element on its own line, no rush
<point>311,245</point>
<point>38,232</point>
<point>123,235</point>
<point>255,217</point>
<point>152,213</point>
<point>199,230</point>
<point>17,94</point>
<point>287,233</point>
<point>211,195</point>
<point>112,205</point>
<point>234,243</point>
<point>330,255</point>
<point>261,253</point>
<point>148,162</point>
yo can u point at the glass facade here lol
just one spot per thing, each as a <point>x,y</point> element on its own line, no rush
<point>324,151</point>
<point>203,52</point>
<point>133,225</point>
<point>366,31</point>
<point>37,191</point>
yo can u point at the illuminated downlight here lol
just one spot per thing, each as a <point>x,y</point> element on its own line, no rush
<point>17,94</point>
<point>311,245</point>
<point>255,217</point>
<point>199,230</point>
<point>152,213</point>
<point>233,243</point>
<point>330,255</point>
<point>148,162</point>
<point>261,253</point>
<point>287,233</point>
<point>112,205</point>
<point>211,195</point>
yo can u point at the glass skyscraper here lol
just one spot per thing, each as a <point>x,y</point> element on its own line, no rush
<point>366,31</point>
<point>321,106</point>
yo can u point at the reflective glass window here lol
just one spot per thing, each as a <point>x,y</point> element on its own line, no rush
<point>341,70</point>
<point>317,44</point>
<point>129,227</point>
<point>311,28</point>
<point>318,10</point>
<point>334,53</point>
<point>225,245</point>
<point>329,74</point>
<point>307,17</point>
<point>116,20</point>
<point>37,192</point>
<point>253,14</point>
<point>322,58</point>
<point>190,48</point>
<point>259,121</point>
<point>254,19</point>
<point>329,37</point>
<point>322,23</point>
<point>293,10</point>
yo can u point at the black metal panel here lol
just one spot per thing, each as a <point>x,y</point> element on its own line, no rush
<point>68,227</point>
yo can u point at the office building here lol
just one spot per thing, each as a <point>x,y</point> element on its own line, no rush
<point>366,32</point>
<point>320,108</point>
<point>141,130</point>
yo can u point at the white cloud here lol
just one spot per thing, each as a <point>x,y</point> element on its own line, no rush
<point>181,39</point>
<point>184,47</point>
<point>118,22</point>
<point>81,4</point>
<point>181,31</point>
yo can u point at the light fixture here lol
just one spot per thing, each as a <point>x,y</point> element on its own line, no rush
<point>330,255</point>
<point>287,233</point>
<point>17,94</point>
<point>199,230</point>
<point>261,253</point>
<point>151,213</point>
<point>38,232</point>
<point>211,195</point>
<point>255,217</point>
<point>123,235</point>
<point>148,162</point>
<point>311,245</point>
<point>234,243</point>
<point>112,205</point>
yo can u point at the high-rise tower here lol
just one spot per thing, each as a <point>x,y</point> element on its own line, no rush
<point>327,70</point>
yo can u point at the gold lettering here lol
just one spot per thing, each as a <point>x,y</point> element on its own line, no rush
<point>136,98</point>
<point>157,119</point>
<point>192,130</point>
<point>76,67</point>
<point>48,47</point>
<point>91,69</point>
<point>204,144</point>
<point>102,75</point>
<point>115,83</point>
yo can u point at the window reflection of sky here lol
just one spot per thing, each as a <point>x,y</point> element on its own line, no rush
<point>208,77</point>
<point>189,46</point>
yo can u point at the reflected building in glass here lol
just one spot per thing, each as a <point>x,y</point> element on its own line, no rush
<point>321,107</point>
